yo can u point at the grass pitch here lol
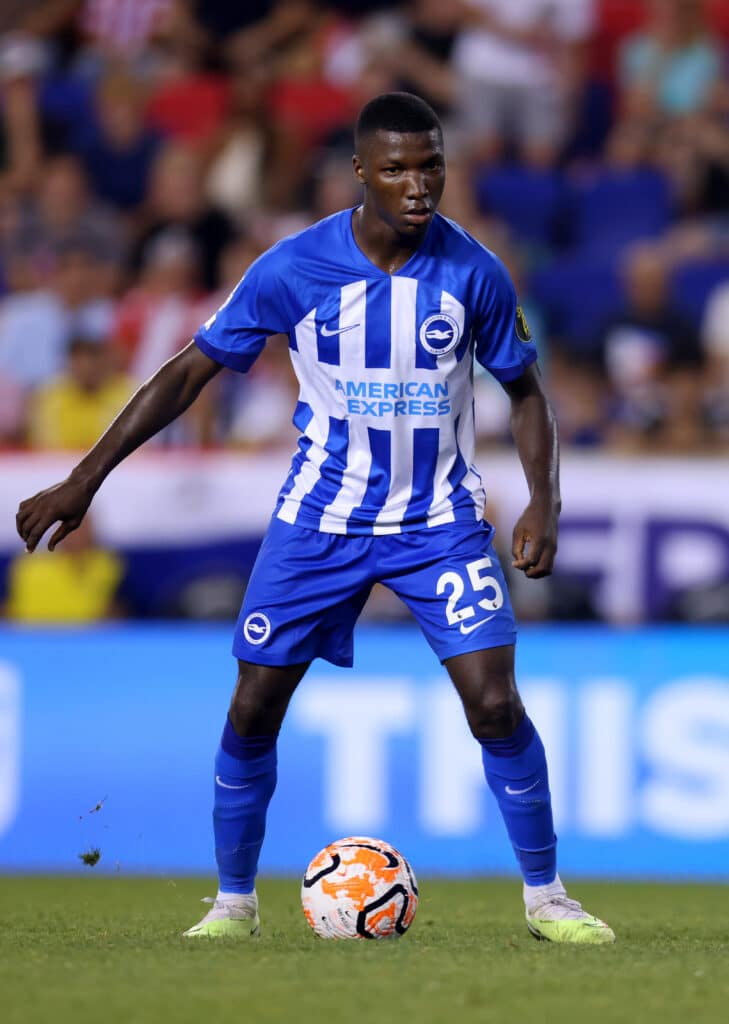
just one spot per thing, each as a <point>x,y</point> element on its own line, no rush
<point>90,949</point>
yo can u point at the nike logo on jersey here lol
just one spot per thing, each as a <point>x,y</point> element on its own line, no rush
<point>225,785</point>
<point>474,625</point>
<point>519,792</point>
<point>328,333</point>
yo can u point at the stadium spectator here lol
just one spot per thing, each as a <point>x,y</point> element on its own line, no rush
<point>220,19</point>
<point>24,133</point>
<point>715,343</point>
<point>492,405</point>
<point>74,77</point>
<point>117,148</point>
<point>614,20</point>
<point>305,107</point>
<point>89,36</point>
<point>428,49</point>
<point>188,102</point>
<point>673,65</point>
<point>460,204</point>
<point>261,418</point>
<point>411,47</point>
<point>251,412</point>
<point>160,313</point>
<point>77,585</point>
<point>695,153</point>
<point>14,14</point>
<point>71,410</point>
<point>234,177</point>
<point>36,325</point>
<point>176,198</point>
<point>62,215</point>
<point>12,412</point>
<point>121,29</point>
<point>684,428</point>
<point>520,66</point>
<point>244,31</point>
<point>334,187</point>
<point>642,348</point>
<point>579,399</point>
<point>673,92</point>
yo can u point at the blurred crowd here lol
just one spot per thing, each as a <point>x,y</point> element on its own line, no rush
<point>151,149</point>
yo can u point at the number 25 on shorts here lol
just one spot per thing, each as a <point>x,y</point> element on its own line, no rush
<point>453,581</point>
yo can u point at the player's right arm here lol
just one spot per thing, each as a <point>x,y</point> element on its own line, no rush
<point>234,336</point>
<point>164,397</point>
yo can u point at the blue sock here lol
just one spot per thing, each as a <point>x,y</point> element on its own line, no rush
<point>245,778</point>
<point>516,771</point>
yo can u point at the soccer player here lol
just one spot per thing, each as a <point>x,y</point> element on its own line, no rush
<point>385,307</point>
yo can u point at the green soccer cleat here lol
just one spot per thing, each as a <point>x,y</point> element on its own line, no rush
<point>553,917</point>
<point>235,919</point>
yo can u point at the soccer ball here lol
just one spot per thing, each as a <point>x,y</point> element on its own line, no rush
<point>359,888</point>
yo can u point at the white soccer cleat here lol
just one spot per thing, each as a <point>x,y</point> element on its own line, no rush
<point>551,915</point>
<point>233,917</point>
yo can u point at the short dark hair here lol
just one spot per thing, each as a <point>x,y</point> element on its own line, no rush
<point>395,112</point>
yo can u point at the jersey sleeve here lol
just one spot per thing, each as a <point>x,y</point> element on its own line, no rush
<point>256,308</point>
<point>504,345</point>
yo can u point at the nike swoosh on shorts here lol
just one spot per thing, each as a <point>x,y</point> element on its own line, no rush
<point>469,629</point>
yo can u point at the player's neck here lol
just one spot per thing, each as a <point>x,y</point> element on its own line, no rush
<point>380,243</point>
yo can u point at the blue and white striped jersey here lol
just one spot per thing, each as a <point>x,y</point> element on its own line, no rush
<point>384,364</point>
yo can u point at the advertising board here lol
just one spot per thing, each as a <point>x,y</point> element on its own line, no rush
<point>635,722</point>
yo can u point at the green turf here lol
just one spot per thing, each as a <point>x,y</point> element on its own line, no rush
<point>99,949</point>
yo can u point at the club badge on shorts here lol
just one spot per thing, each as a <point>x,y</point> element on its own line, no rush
<point>257,628</point>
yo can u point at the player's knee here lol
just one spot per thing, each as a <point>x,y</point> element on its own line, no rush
<point>251,716</point>
<point>495,714</point>
<point>253,709</point>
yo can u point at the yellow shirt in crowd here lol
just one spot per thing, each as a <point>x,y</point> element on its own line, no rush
<point>64,416</point>
<point>63,587</point>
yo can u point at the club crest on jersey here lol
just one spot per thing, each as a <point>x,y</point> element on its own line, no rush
<point>257,628</point>
<point>439,334</point>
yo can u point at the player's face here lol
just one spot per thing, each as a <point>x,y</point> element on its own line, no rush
<point>404,176</point>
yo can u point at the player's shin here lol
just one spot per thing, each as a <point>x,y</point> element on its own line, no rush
<point>516,771</point>
<point>245,778</point>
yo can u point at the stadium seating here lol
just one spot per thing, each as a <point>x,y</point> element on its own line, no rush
<point>613,207</point>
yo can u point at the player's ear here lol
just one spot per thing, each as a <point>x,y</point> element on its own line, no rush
<point>358,170</point>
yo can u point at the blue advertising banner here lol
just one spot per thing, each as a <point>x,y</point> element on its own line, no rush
<point>107,738</point>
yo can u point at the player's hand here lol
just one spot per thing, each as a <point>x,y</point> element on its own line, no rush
<point>66,503</point>
<point>534,541</point>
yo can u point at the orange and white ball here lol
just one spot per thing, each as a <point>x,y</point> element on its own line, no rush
<point>359,888</point>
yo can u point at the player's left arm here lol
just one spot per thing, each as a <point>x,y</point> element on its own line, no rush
<point>534,540</point>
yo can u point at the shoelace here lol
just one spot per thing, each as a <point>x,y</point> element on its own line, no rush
<point>216,905</point>
<point>570,908</point>
<point>231,909</point>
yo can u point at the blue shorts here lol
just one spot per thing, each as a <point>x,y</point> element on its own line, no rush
<point>307,589</point>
